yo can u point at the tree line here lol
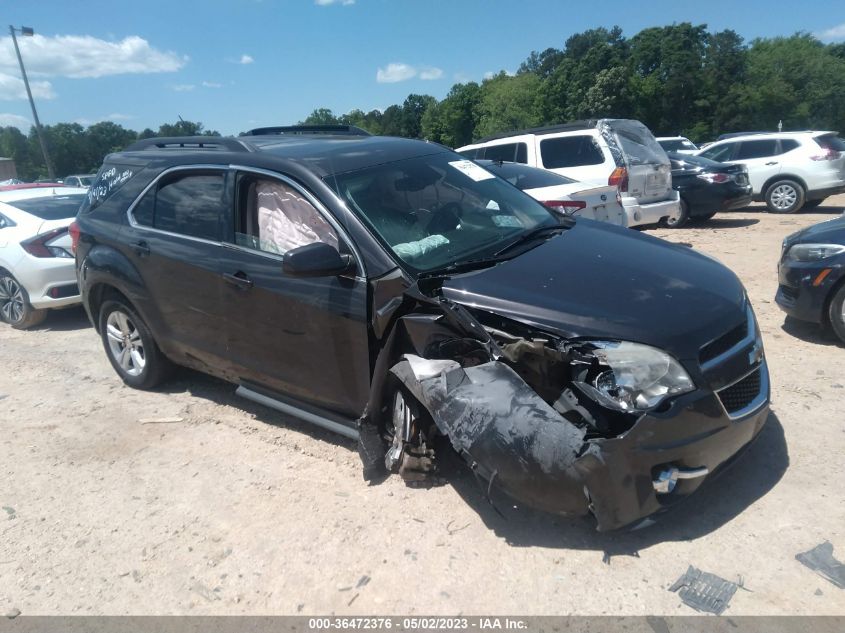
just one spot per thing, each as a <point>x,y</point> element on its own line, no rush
<point>677,79</point>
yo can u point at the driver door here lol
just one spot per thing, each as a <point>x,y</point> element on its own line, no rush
<point>305,338</point>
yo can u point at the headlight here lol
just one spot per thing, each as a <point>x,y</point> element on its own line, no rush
<point>633,377</point>
<point>813,252</point>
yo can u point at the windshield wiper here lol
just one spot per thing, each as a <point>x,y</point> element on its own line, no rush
<point>531,235</point>
<point>461,267</point>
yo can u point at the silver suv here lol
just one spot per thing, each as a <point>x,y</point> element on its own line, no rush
<point>620,152</point>
<point>787,170</point>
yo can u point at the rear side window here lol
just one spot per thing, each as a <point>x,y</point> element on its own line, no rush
<point>111,178</point>
<point>757,149</point>
<point>570,151</point>
<point>830,141</point>
<point>510,152</point>
<point>188,204</point>
<point>787,145</point>
<point>51,208</point>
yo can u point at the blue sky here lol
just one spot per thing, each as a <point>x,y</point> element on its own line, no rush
<point>237,64</point>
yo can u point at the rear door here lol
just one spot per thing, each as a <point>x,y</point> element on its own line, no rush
<point>306,338</point>
<point>174,241</point>
<point>649,171</point>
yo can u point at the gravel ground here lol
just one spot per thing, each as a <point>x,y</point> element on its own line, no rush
<point>191,500</point>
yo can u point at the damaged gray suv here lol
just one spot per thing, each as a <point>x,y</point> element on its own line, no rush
<point>394,292</point>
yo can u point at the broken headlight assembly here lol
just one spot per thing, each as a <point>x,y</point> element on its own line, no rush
<point>630,377</point>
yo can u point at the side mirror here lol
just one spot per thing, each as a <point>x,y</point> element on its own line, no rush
<point>315,260</point>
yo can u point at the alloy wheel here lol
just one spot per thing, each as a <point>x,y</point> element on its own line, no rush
<point>11,300</point>
<point>125,343</point>
<point>784,197</point>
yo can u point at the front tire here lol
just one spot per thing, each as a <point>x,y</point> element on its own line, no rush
<point>836,313</point>
<point>130,346</point>
<point>15,308</point>
<point>784,196</point>
<point>682,218</point>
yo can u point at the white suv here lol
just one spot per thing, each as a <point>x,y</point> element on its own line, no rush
<point>787,170</point>
<point>619,152</point>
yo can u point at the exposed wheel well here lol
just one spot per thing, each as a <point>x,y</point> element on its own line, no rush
<point>99,294</point>
<point>774,179</point>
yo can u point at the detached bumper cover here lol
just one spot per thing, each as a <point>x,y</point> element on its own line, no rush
<point>520,444</point>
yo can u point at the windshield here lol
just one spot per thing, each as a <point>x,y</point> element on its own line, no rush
<point>439,210</point>
<point>525,177</point>
<point>52,208</point>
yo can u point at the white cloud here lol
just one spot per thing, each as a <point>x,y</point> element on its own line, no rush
<point>212,84</point>
<point>325,3</point>
<point>83,56</point>
<point>12,88</point>
<point>14,120</point>
<point>430,73</point>
<point>184,87</point>
<point>489,74</point>
<point>395,72</point>
<point>246,59</point>
<point>833,34</point>
<point>116,116</point>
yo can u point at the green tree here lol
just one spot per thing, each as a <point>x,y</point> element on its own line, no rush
<point>413,110</point>
<point>320,116</point>
<point>185,128</point>
<point>14,145</point>
<point>453,120</point>
<point>508,103</point>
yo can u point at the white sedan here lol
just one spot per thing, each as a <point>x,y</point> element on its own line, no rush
<point>558,192</point>
<point>37,269</point>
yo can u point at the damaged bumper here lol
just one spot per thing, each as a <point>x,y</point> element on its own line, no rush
<point>524,447</point>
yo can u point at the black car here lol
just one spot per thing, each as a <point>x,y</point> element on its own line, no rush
<point>707,187</point>
<point>811,275</point>
<point>393,291</point>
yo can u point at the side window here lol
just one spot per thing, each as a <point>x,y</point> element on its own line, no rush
<point>757,149</point>
<point>719,152</point>
<point>185,203</point>
<point>787,145</point>
<point>274,217</point>
<point>570,151</point>
<point>471,153</point>
<point>510,152</point>
<point>5,222</point>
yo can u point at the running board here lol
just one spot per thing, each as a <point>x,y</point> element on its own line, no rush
<point>318,420</point>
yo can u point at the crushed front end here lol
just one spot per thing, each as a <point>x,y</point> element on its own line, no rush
<point>553,421</point>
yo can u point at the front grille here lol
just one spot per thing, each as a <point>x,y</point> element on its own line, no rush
<point>723,343</point>
<point>741,394</point>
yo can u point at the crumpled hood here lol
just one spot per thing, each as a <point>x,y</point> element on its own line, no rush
<point>600,281</point>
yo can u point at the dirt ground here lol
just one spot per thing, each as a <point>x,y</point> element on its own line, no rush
<point>192,500</point>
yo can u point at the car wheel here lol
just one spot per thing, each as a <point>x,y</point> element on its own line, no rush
<point>784,196</point>
<point>812,204</point>
<point>681,219</point>
<point>836,313</point>
<point>131,348</point>
<point>408,433</point>
<point>705,216</point>
<point>15,308</point>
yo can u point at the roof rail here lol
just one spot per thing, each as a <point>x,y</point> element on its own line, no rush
<point>585,124</point>
<point>340,130</point>
<point>219,143</point>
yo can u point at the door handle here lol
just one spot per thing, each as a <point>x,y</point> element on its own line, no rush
<point>239,279</point>
<point>142,249</point>
<point>774,162</point>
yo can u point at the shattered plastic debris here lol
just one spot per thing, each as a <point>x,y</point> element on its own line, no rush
<point>820,559</point>
<point>704,591</point>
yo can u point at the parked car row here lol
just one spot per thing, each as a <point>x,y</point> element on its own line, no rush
<point>398,293</point>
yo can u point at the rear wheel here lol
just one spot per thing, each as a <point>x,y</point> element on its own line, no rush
<point>15,308</point>
<point>130,346</point>
<point>836,313</point>
<point>681,219</point>
<point>784,196</point>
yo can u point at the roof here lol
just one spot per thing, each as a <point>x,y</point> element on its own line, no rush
<point>324,154</point>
